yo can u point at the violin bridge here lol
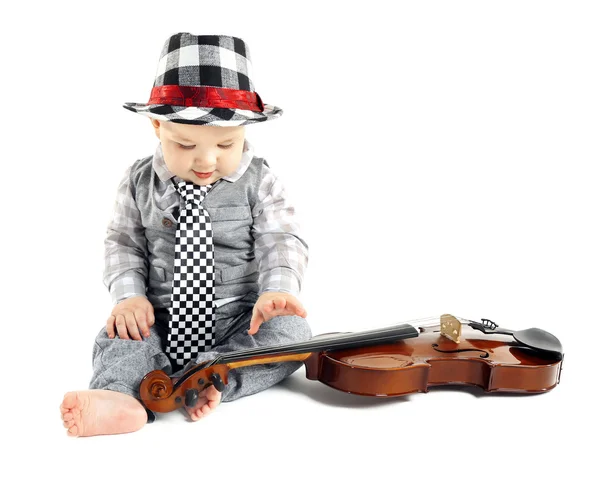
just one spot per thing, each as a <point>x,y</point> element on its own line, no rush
<point>450,327</point>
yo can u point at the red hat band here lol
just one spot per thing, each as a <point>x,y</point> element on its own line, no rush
<point>206,97</point>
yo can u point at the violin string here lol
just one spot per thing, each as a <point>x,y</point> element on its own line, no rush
<point>366,338</point>
<point>423,321</point>
<point>363,335</point>
<point>315,341</point>
<point>306,347</point>
<point>435,320</point>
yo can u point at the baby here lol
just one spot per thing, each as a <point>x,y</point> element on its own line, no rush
<point>203,255</point>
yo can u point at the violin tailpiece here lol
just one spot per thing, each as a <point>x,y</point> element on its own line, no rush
<point>450,327</point>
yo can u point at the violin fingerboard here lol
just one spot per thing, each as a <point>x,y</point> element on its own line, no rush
<point>450,327</point>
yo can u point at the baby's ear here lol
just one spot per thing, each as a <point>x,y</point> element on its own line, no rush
<point>156,125</point>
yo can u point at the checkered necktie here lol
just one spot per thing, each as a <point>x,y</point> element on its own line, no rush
<point>191,327</point>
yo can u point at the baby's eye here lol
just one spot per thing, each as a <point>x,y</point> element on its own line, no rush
<point>182,146</point>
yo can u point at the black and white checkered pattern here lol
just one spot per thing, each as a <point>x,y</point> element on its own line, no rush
<point>191,327</point>
<point>205,60</point>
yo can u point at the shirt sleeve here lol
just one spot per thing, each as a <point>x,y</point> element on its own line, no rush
<point>282,254</point>
<point>125,257</point>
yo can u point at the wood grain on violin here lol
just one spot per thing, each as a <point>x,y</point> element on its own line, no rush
<point>388,362</point>
<point>493,363</point>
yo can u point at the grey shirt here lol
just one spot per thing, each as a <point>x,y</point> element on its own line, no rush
<point>275,245</point>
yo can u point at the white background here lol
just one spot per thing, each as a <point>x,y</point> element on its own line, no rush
<point>442,157</point>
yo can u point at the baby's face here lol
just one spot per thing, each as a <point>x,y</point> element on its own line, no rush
<point>191,150</point>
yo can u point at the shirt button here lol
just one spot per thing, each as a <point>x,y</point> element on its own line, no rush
<point>167,222</point>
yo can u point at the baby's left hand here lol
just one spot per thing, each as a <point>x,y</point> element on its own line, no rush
<point>272,304</point>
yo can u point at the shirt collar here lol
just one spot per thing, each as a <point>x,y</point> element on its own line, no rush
<point>163,173</point>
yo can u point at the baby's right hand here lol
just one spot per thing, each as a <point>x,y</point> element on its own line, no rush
<point>131,315</point>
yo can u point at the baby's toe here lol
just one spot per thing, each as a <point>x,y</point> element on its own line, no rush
<point>192,412</point>
<point>69,401</point>
<point>213,394</point>
<point>197,415</point>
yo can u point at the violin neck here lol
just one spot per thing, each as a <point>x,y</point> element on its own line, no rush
<point>327,342</point>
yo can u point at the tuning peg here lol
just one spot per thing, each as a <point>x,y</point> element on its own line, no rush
<point>191,397</point>
<point>215,378</point>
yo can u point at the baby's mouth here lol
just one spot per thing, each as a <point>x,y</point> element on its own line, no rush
<point>203,175</point>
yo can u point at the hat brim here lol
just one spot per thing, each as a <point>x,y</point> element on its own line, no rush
<point>205,116</point>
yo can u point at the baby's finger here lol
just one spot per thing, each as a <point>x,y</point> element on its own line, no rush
<point>290,309</point>
<point>294,306</point>
<point>298,310</point>
<point>273,312</point>
<point>255,322</point>
<point>121,327</point>
<point>110,327</point>
<point>279,302</point>
<point>282,313</point>
<point>150,316</point>
<point>132,326</point>
<point>268,306</point>
<point>142,320</point>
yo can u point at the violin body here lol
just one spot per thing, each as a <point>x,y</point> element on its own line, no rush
<point>494,362</point>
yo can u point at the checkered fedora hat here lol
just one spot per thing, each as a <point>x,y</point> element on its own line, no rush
<point>205,80</point>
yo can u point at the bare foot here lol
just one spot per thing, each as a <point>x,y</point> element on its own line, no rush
<point>207,401</point>
<point>101,412</point>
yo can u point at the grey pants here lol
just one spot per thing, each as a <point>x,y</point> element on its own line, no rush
<point>120,365</point>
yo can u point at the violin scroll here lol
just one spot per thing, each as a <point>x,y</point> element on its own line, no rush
<point>156,385</point>
<point>161,393</point>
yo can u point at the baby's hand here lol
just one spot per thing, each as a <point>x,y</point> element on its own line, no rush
<point>131,315</point>
<point>272,304</point>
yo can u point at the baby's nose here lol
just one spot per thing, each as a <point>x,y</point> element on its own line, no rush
<point>204,163</point>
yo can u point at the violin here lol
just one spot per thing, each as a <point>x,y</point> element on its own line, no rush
<point>388,362</point>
